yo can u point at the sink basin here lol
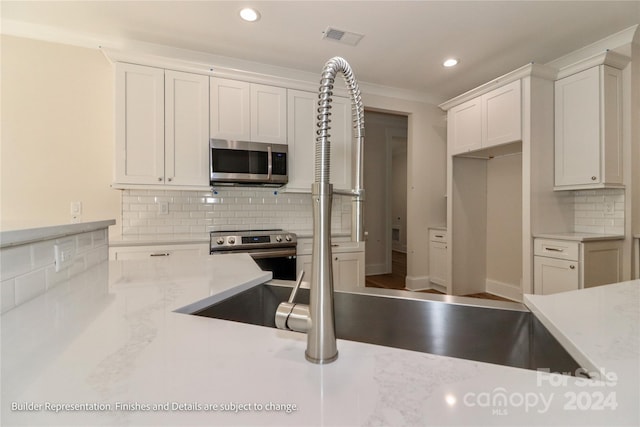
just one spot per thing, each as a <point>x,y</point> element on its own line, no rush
<point>500,336</point>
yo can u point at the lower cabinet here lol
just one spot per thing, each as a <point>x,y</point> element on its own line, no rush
<point>563,265</point>
<point>347,262</point>
<point>438,257</point>
<point>145,252</point>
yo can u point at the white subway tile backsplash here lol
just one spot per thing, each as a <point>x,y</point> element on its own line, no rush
<point>7,295</point>
<point>29,270</point>
<point>590,211</point>
<point>30,285</point>
<point>225,209</point>
<point>15,261</point>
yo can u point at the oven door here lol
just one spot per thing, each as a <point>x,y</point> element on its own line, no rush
<point>281,262</point>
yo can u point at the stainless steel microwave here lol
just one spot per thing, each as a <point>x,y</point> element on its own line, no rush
<point>248,163</point>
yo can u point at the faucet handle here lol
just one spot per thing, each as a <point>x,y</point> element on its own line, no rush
<point>291,316</point>
<point>294,292</point>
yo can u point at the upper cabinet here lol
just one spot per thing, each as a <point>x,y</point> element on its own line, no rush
<point>162,127</point>
<point>302,118</point>
<point>248,112</point>
<point>588,129</point>
<point>491,119</point>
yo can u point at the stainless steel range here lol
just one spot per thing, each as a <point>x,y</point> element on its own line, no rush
<point>272,250</point>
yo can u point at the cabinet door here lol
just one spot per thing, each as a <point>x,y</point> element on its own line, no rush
<point>301,124</point>
<point>342,145</point>
<point>554,275</point>
<point>139,124</point>
<point>302,121</point>
<point>229,109</point>
<point>438,263</point>
<point>147,252</point>
<point>464,127</point>
<point>577,129</point>
<point>268,114</point>
<point>186,128</point>
<point>502,115</point>
<point>348,270</point>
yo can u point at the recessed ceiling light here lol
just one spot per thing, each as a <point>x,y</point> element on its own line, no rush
<point>249,15</point>
<point>450,62</point>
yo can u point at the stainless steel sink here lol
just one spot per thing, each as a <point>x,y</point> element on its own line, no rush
<point>500,336</point>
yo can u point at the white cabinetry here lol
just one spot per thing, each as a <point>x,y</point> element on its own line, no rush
<point>162,127</point>
<point>491,119</point>
<point>563,265</point>
<point>347,262</point>
<point>588,132</point>
<point>302,118</point>
<point>438,257</point>
<point>248,112</point>
<point>153,251</point>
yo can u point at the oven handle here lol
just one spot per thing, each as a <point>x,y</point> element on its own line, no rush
<point>272,253</point>
<point>259,254</point>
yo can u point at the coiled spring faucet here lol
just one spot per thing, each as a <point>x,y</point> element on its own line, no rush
<point>317,319</point>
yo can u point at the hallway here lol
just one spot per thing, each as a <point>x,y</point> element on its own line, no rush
<point>396,279</point>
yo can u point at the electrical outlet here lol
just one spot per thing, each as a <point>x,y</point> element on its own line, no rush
<point>64,253</point>
<point>76,212</point>
<point>163,208</point>
<point>609,208</point>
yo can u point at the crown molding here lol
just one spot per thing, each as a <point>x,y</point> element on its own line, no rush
<point>131,51</point>
<point>529,70</point>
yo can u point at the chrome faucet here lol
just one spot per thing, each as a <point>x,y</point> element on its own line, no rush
<point>317,319</point>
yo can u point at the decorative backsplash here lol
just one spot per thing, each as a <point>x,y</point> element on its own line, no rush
<point>29,270</point>
<point>599,211</point>
<point>195,212</point>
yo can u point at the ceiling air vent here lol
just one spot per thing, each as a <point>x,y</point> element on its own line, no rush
<point>341,36</point>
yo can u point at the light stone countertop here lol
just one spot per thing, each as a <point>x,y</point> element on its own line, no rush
<point>29,235</point>
<point>579,237</point>
<point>111,337</point>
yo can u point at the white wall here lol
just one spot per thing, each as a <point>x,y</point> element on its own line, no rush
<point>57,134</point>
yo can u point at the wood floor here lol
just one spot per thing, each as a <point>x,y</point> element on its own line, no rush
<point>395,280</point>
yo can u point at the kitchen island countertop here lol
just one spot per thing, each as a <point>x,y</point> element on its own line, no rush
<point>109,348</point>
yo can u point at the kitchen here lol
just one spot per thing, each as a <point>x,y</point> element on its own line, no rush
<point>52,191</point>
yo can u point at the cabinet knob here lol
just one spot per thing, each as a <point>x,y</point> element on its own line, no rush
<point>573,267</point>
<point>593,178</point>
<point>170,179</point>
<point>160,179</point>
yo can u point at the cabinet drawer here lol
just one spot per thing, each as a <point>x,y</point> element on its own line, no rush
<point>438,236</point>
<point>561,249</point>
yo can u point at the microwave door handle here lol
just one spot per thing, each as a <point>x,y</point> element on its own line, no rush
<point>269,163</point>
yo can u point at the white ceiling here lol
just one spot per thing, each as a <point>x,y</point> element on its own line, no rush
<point>404,43</point>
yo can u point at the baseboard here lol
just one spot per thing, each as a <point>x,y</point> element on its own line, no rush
<point>416,283</point>
<point>374,269</point>
<point>505,290</point>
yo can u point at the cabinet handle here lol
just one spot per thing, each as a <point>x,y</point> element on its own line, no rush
<point>439,235</point>
<point>593,178</point>
<point>553,249</point>
<point>161,254</point>
<point>573,267</point>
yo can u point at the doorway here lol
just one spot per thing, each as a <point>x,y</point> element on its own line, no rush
<point>385,181</point>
